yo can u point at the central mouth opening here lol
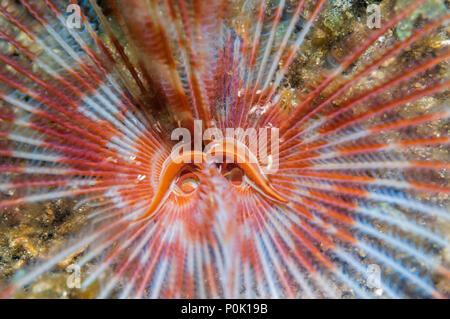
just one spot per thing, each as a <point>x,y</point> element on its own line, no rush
<point>187,182</point>
<point>233,173</point>
<point>180,172</point>
<point>188,179</point>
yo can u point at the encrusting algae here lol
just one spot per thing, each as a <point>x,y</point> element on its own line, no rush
<point>358,206</point>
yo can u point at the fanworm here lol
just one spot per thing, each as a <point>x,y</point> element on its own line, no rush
<point>351,201</point>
